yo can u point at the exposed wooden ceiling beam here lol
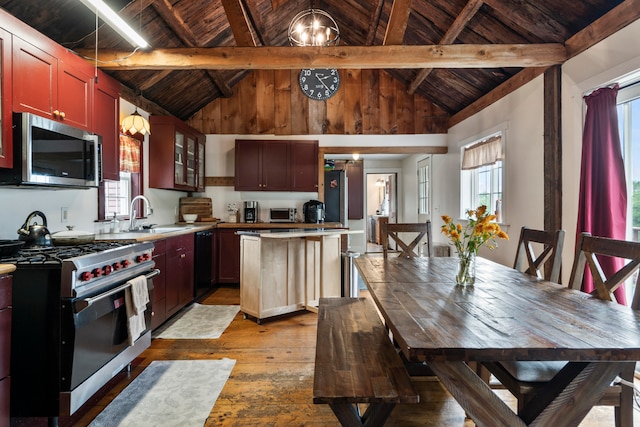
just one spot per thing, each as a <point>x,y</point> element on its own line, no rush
<point>184,33</point>
<point>240,26</point>
<point>374,22</point>
<point>392,149</point>
<point>397,25</point>
<point>153,80</point>
<point>358,57</point>
<point>619,17</point>
<point>461,21</point>
<point>515,82</point>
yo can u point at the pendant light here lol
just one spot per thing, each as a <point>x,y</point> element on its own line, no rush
<point>135,123</point>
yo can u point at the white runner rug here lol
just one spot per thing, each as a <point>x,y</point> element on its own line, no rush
<point>172,393</point>
<point>199,321</point>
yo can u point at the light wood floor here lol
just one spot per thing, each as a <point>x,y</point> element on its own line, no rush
<point>271,383</point>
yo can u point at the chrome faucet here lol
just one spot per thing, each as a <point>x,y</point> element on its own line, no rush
<point>148,210</point>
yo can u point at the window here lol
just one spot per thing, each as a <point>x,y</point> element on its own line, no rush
<point>629,128</point>
<point>481,175</point>
<point>424,176</point>
<point>115,196</point>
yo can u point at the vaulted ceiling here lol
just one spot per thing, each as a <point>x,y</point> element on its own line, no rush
<point>458,54</point>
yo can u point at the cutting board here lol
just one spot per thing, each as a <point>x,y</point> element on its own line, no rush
<point>196,205</point>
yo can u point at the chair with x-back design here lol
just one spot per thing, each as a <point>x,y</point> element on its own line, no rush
<point>539,253</point>
<point>526,379</point>
<point>392,230</point>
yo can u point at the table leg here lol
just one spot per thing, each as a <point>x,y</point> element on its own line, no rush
<point>568,408</point>
<point>474,395</point>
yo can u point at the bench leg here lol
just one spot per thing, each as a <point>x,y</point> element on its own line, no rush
<point>375,415</point>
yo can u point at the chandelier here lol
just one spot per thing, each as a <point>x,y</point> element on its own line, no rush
<point>313,27</point>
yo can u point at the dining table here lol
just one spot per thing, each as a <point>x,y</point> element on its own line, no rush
<point>504,316</point>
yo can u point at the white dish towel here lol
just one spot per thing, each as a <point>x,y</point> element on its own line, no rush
<point>136,299</point>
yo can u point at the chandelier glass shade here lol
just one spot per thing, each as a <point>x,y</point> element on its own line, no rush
<point>313,27</point>
<point>135,123</point>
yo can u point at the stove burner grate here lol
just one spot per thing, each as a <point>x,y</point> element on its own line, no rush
<point>56,254</point>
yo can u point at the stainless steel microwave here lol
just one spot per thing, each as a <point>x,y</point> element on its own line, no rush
<point>282,214</point>
<point>50,153</point>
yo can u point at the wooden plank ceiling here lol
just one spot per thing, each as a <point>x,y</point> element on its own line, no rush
<point>460,55</point>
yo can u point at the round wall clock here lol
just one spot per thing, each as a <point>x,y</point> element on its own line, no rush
<point>319,83</point>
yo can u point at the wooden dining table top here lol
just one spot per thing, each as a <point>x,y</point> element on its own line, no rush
<point>505,315</point>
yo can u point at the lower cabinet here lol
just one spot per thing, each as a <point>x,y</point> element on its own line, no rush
<point>173,288</point>
<point>228,252</point>
<point>158,301</point>
<point>5,347</point>
<point>179,273</point>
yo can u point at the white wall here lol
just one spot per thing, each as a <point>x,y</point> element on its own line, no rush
<point>522,112</point>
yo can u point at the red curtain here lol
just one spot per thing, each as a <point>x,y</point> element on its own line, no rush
<point>602,207</point>
<point>129,154</point>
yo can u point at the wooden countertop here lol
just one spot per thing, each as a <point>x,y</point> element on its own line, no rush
<point>156,233</point>
<point>172,230</point>
<point>276,225</point>
<point>294,233</point>
<point>7,268</point>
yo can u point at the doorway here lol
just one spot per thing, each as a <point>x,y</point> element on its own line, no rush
<point>382,205</point>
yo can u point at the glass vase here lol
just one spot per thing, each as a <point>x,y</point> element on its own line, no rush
<point>466,274</point>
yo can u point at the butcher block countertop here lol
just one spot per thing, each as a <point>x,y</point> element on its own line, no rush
<point>7,268</point>
<point>171,230</point>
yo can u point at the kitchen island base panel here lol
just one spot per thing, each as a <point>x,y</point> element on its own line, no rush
<point>284,275</point>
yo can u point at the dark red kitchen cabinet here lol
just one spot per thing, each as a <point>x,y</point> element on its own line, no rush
<point>35,79</point>
<point>60,89</point>
<point>158,301</point>
<point>304,165</point>
<point>176,155</point>
<point>75,93</point>
<point>179,284</point>
<point>5,347</point>
<point>248,165</point>
<point>228,256</point>
<point>6,141</point>
<point>106,115</point>
<point>262,165</point>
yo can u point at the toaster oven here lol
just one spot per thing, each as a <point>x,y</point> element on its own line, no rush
<point>282,214</point>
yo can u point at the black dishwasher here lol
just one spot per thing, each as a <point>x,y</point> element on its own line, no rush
<point>204,263</point>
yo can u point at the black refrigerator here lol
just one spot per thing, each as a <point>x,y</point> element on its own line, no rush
<point>336,204</point>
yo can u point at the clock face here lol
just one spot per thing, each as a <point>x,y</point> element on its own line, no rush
<point>319,83</point>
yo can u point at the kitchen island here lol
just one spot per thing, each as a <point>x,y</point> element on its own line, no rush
<point>288,270</point>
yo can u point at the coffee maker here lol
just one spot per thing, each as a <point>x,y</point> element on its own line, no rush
<point>313,211</point>
<point>251,212</point>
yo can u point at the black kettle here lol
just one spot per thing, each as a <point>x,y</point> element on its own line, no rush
<point>34,234</point>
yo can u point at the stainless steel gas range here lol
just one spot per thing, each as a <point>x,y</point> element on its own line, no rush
<point>69,326</point>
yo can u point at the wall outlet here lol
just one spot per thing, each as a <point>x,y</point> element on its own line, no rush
<point>64,214</point>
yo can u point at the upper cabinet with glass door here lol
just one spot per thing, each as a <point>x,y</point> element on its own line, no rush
<point>176,155</point>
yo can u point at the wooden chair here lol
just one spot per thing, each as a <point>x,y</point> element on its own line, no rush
<point>550,245</point>
<point>527,378</point>
<point>391,230</point>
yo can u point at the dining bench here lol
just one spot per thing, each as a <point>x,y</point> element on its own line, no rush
<point>356,363</point>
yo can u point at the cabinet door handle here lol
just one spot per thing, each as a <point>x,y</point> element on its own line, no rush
<point>183,255</point>
<point>56,113</point>
<point>62,115</point>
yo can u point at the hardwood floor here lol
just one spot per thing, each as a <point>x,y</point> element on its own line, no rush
<point>271,383</point>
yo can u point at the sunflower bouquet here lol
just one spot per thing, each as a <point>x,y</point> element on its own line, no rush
<point>481,229</point>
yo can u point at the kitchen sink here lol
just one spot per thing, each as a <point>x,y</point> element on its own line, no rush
<point>158,230</point>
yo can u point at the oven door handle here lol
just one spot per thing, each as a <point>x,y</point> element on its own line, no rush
<point>86,302</point>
